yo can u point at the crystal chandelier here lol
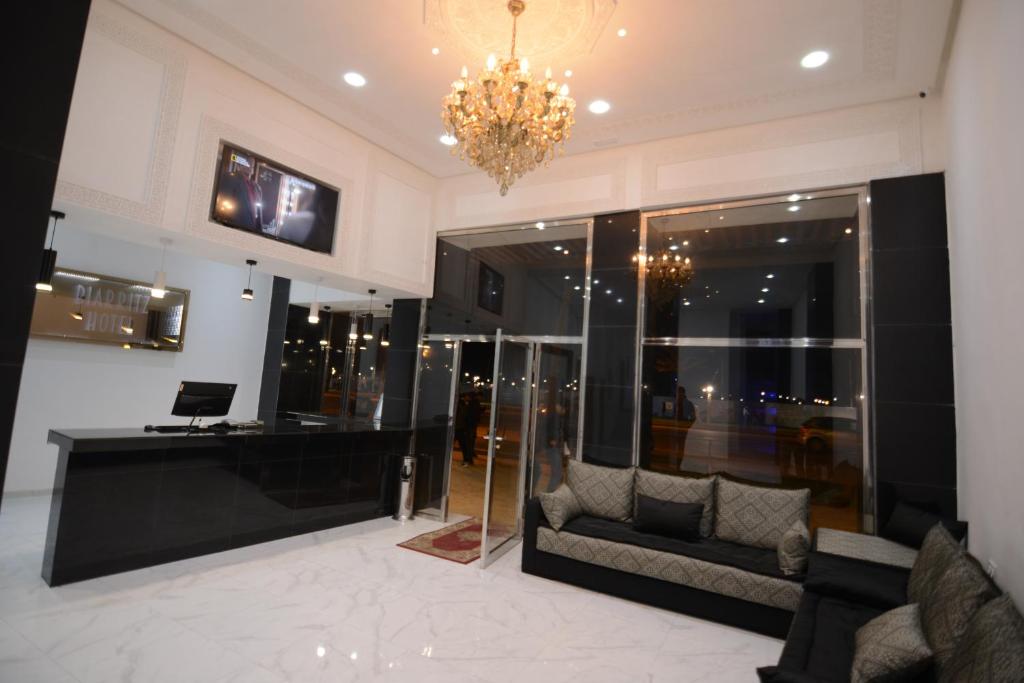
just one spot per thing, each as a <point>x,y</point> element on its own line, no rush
<point>504,122</point>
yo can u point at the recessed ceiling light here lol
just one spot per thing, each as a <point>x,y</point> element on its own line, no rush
<point>812,60</point>
<point>721,218</point>
<point>793,198</point>
<point>599,107</point>
<point>539,225</point>
<point>674,247</point>
<point>782,240</point>
<point>435,50</point>
<point>770,276</point>
<point>686,243</point>
<point>621,33</point>
<point>764,290</point>
<point>356,80</point>
<point>686,303</point>
<point>760,301</point>
<point>448,140</point>
<point>558,247</point>
<point>568,73</point>
<point>848,231</point>
<point>566,277</point>
<point>794,208</point>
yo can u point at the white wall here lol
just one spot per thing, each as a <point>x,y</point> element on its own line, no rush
<point>984,101</point>
<point>148,113</point>
<point>839,147</point>
<point>73,385</point>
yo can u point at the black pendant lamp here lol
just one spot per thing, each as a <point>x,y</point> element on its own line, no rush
<point>247,292</point>
<point>49,264</point>
<point>385,332</point>
<point>368,318</point>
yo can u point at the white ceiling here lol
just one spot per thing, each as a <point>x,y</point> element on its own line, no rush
<point>684,65</point>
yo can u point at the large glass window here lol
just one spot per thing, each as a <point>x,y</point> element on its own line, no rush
<point>754,368</point>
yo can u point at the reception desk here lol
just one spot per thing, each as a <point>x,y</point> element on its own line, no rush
<point>126,498</point>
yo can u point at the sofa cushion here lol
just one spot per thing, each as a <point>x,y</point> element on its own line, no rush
<point>748,558</point>
<point>602,491</point>
<point>665,518</point>
<point>560,506</point>
<point>890,647</point>
<point>687,571</point>
<point>867,583</point>
<point>992,649</point>
<point>793,549</point>
<point>680,489</point>
<point>908,525</point>
<point>757,515</point>
<point>821,638</point>
<point>864,547</point>
<point>947,609</point>
<point>937,552</point>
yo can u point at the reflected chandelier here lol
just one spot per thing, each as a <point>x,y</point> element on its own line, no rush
<point>504,122</point>
<point>666,268</point>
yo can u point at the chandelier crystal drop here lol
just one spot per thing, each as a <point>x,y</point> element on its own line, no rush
<point>504,122</point>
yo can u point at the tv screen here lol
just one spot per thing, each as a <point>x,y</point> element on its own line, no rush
<point>263,197</point>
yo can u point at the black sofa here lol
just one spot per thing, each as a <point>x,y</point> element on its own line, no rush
<point>709,605</point>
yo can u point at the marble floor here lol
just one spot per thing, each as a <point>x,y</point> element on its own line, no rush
<point>341,605</point>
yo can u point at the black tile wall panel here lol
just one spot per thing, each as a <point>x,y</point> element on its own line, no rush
<point>912,346</point>
<point>915,283</point>
<point>611,358</point>
<point>908,212</point>
<point>273,355</point>
<point>40,49</point>
<point>401,374</point>
<point>916,442</point>
<point>608,286</point>
<point>914,363</point>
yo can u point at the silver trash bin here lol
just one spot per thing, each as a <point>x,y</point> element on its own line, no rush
<point>406,488</point>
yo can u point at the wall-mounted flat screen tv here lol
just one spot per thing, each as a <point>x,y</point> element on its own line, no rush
<point>265,198</point>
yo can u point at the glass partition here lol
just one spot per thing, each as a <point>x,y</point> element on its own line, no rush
<point>527,281</point>
<point>753,359</point>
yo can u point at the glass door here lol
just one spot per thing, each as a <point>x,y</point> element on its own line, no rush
<point>506,447</point>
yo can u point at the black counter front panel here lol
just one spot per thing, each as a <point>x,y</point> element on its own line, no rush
<point>169,498</point>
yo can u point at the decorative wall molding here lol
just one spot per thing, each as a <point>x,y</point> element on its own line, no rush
<point>211,132</point>
<point>382,254</point>
<point>875,141</point>
<point>151,209</point>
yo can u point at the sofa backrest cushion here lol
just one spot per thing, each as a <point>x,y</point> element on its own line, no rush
<point>560,506</point>
<point>909,525</point>
<point>793,549</point>
<point>937,552</point>
<point>605,492</point>
<point>757,515</point>
<point>947,609</point>
<point>679,489</point>
<point>992,649</point>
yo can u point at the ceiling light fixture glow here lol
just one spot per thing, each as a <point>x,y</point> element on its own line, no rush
<point>356,80</point>
<point>435,51</point>
<point>793,208</point>
<point>812,60</point>
<point>599,107</point>
<point>782,240</point>
<point>568,73</point>
<point>621,33</point>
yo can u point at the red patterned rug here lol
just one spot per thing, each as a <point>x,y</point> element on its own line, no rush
<point>457,542</point>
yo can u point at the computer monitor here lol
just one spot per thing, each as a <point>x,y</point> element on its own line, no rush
<point>203,399</point>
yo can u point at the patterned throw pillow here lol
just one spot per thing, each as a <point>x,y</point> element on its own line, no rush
<point>756,515</point>
<point>680,490</point>
<point>890,647</point>
<point>605,492</point>
<point>937,552</point>
<point>948,607</point>
<point>992,649</point>
<point>560,506</point>
<point>793,548</point>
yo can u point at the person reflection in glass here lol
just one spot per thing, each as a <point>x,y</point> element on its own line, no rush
<point>686,415</point>
<point>466,422</point>
<point>551,437</point>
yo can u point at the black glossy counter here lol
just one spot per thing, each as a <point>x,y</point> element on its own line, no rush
<point>126,498</point>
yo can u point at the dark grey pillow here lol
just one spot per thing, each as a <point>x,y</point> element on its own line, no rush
<point>605,492</point>
<point>948,607</point>
<point>992,649</point>
<point>793,549</point>
<point>891,647</point>
<point>560,506</point>
<point>756,515</point>
<point>679,489</point>
<point>937,552</point>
